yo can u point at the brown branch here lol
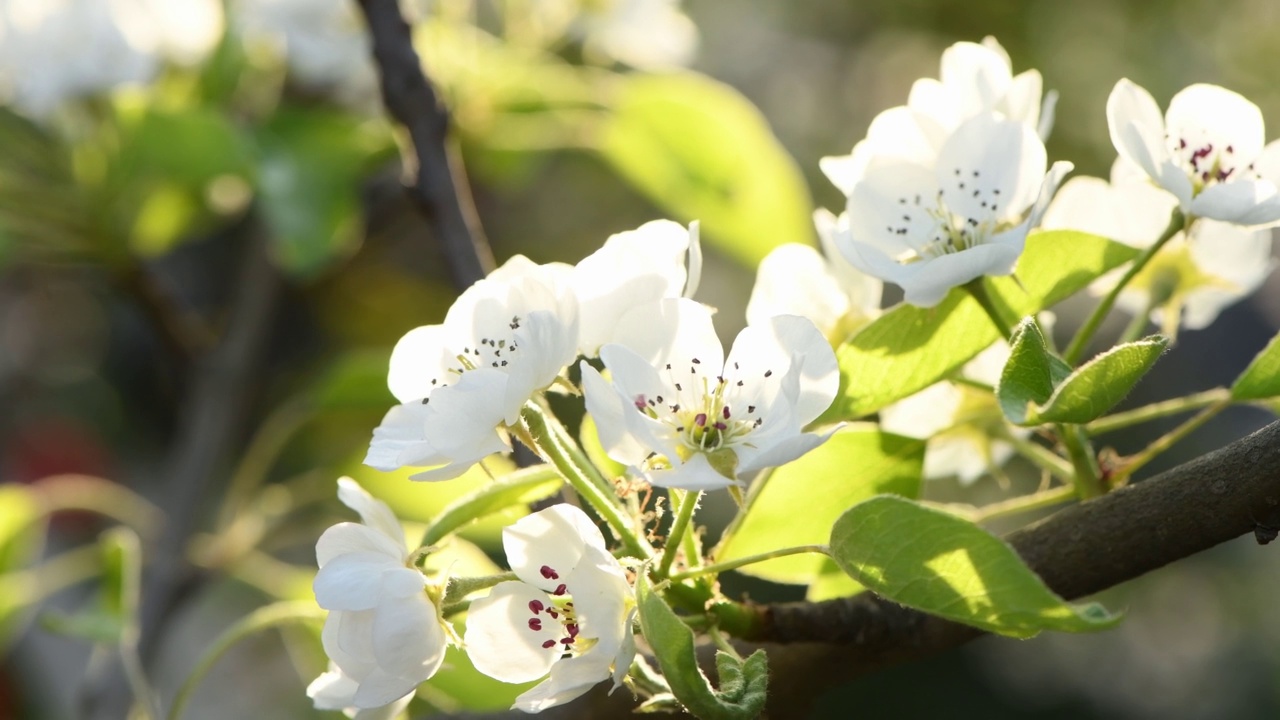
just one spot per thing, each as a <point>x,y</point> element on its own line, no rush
<point>440,186</point>
<point>1078,551</point>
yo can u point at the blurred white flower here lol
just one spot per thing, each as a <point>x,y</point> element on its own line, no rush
<point>633,268</point>
<point>324,44</point>
<point>569,617</point>
<point>931,227</point>
<point>504,339</point>
<point>961,424</point>
<point>795,279</point>
<point>52,51</point>
<point>645,34</point>
<point>680,413</point>
<point>975,79</point>
<point>383,633</point>
<point>1207,150</point>
<point>1193,277</point>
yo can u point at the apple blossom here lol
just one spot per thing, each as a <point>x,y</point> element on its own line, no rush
<point>504,339</point>
<point>795,279</point>
<point>1193,277</point>
<point>383,633</point>
<point>975,79</point>
<point>568,618</point>
<point>680,413</point>
<point>930,228</point>
<point>633,268</point>
<point>1207,150</point>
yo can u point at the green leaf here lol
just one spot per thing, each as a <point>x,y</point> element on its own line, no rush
<point>518,489</point>
<point>1030,374</point>
<point>831,582</point>
<point>115,611</point>
<point>312,165</point>
<point>21,527</point>
<point>702,151</point>
<point>743,684</point>
<point>1099,384</point>
<point>1261,379</point>
<point>908,348</point>
<point>938,563</point>
<point>857,462</point>
<point>458,687</point>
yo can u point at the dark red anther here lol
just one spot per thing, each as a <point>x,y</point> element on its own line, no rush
<point>560,589</point>
<point>725,412</point>
<point>536,607</point>
<point>567,641</point>
<point>720,426</point>
<point>535,624</point>
<point>573,630</point>
<point>548,573</point>
<point>554,615</point>
<point>549,644</point>
<point>700,420</point>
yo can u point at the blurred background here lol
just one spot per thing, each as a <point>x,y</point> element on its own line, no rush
<point>151,155</point>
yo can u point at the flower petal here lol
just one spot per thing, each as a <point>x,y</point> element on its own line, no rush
<point>549,540</point>
<point>773,346</point>
<point>569,680</point>
<point>347,537</point>
<point>695,473</point>
<point>373,512</point>
<point>670,329</point>
<point>607,408</point>
<point>924,284</point>
<point>793,279</point>
<point>1138,134</point>
<point>1243,202</point>
<point>353,581</point>
<point>500,640</point>
<point>1207,114</point>
<point>990,163</point>
<point>408,640</point>
<point>419,362</point>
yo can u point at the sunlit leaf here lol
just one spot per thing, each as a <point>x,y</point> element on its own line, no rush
<point>518,489</point>
<point>941,564</point>
<point>800,501</point>
<point>700,150</point>
<point>1096,387</point>
<point>1261,380</point>
<point>908,348</point>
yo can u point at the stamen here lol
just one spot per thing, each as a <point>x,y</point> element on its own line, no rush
<point>535,624</point>
<point>548,573</point>
<point>549,644</point>
<point>560,590</point>
<point>536,606</point>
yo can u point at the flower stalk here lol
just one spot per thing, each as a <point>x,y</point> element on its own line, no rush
<point>1157,410</point>
<point>736,563</point>
<point>688,502</point>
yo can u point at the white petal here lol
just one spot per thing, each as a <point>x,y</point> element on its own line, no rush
<point>1136,126</point>
<point>1240,259</point>
<point>1048,109</point>
<point>668,329</point>
<point>1132,213</point>
<point>347,638</point>
<point>607,407</point>
<point>842,170</point>
<point>631,268</point>
<point>925,283</point>
<point>1022,102</point>
<point>382,688</point>
<point>422,356</point>
<point>784,452</point>
<point>373,512</point>
<point>979,74</point>
<point>1268,163</point>
<point>553,539</point>
<point>774,344</point>
<point>695,260</point>
<point>694,474</point>
<point>349,537</point>
<point>864,291</point>
<point>991,161</point>
<point>569,680</point>
<point>547,342</point>
<point>353,581</point>
<point>925,413</point>
<point>637,380</point>
<point>1048,188</point>
<point>462,418</point>
<point>1210,114</point>
<point>793,279</point>
<point>332,690</point>
<point>408,640</point>
<point>1243,202</point>
<point>499,639</point>
<point>400,439</point>
<point>891,210</point>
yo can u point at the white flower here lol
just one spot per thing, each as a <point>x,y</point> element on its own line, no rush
<point>930,228</point>
<point>633,268</point>
<point>324,43</point>
<point>1207,150</point>
<point>646,34</point>
<point>334,690</point>
<point>1194,276</point>
<point>52,51</point>
<point>975,79</point>
<point>962,424</point>
<point>684,416</point>
<point>383,632</point>
<point>569,616</point>
<point>504,339</point>
<point>795,279</point>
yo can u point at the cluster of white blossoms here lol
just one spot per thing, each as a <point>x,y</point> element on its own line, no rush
<point>52,51</point>
<point>944,189</point>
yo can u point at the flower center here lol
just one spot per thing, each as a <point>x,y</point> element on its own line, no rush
<point>557,609</point>
<point>947,230</point>
<point>1204,162</point>
<point>494,350</point>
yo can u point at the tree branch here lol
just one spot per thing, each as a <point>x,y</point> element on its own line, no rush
<point>440,187</point>
<point>1078,551</point>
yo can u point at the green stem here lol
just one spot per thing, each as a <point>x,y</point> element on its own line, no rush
<point>978,290</point>
<point>1026,503</point>
<point>1166,441</point>
<point>268,442</point>
<point>1041,457</point>
<point>537,423</point>
<point>1087,476</point>
<point>1177,221</point>
<point>263,618</point>
<point>688,502</point>
<point>1158,410</point>
<point>106,498</point>
<point>568,445</point>
<point>749,560</point>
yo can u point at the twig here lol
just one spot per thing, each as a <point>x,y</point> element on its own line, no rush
<point>440,186</point>
<point>1079,551</point>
